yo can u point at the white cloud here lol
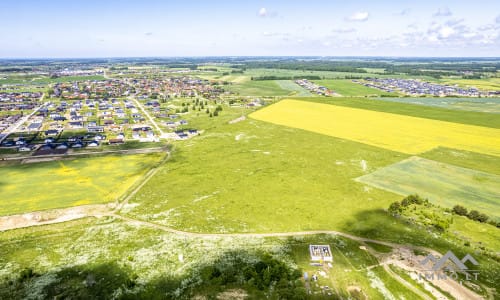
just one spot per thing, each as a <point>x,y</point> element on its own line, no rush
<point>359,16</point>
<point>148,33</point>
<point>443,12</point>
<point>344,30</point>
<point>445,32</point>
<point>497,20</point>
<point>404,12</point>
<point>263,12</point>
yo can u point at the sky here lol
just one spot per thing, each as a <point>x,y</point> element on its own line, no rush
<point>112,28</point>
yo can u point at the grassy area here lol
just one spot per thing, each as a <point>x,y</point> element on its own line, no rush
<point>390,131</point>
<point>346,87</point>
<point>488,84</point>
<point>102,257</point>
<point>65,183</point>
<point>486,105</point>
<point>471,160</point>
<point>435,113</point>
<point>295,89</point>
<point>379,247</point>
<point>258,88</point>
<point>266,171</point>
<point>442,184</point>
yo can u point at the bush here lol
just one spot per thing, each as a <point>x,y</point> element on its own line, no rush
<point>412,199</point>
<point>477,216</point>
<point>460,210</point>
<point>395,208</point>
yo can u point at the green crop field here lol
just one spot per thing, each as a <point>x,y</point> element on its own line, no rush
<point>414,110</point>
<point>488,84</point>
<point>254,176</point>
<point>487,105</point>
<point>258,88</point>
<point>346,87</point>
<point>64,183</point>
<point>295,89</point>
<point>443,184</point>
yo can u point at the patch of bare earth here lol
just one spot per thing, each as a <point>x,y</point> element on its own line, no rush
<point>234,294</point>
<point>405,259</point>
<point>51,216</point>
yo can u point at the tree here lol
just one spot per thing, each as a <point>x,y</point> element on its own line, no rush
<point>474,215</point>
<point>395,208</point>
<point>460,210</point>
<point>216,113</point>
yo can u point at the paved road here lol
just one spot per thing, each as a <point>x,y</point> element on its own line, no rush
<point>20,122</point>
<point>153,122</point>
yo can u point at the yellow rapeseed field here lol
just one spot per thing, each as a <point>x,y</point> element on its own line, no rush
<point>390,131</point>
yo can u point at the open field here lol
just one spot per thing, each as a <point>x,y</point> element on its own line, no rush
<point>294,88</point>
<point>442,184</point>
<point>346,87</point>
<point>465,159</point>
<point>64,183</point>
<point>253,176</point>
<point>488,84</point>
<point>414,110</point>
<point>64,257</point>
<point>258,88</point>
<point>390,131</point>
<point>487,105</point>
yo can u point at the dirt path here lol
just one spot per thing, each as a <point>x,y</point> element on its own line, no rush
<point>408,261</point>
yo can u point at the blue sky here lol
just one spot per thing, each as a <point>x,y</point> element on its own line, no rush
<point>216,28</point>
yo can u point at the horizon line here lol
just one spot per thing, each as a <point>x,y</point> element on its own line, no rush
<point>246,56</point>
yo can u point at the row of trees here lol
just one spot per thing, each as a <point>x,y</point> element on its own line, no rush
<point>473,214</point>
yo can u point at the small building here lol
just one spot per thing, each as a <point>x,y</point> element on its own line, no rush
<point>51,132</point>
<point>320,253</point>
<point>95,129</point>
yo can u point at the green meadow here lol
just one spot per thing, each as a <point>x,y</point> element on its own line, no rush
<point>347,88</point>
<point>443,184</point>
<point>63,183</point>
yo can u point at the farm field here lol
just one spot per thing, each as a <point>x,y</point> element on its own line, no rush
<point>471,160</point>
<point>64,183</point>
<point>488,84</point>
<point>443,184</point>
<point>295,89</point>
<point>346,87</point>
<point>209,181</point>
<point>487,105</point>
<point>420,111</point>
<point>258,88</point>
<point>390,131</point>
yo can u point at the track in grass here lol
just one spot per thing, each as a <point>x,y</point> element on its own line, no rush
<point>390,131</point>
<point>441,183</point>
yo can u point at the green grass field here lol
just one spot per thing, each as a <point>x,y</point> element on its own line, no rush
<point>347,88</point>
<point>295,89</point>
<point>64,183</point>
<point>283,179</point>
<point>488,84</point>
<point>414,110</point>
<point>487,105</point>
<point>258,88</point>
<point>442,184</point>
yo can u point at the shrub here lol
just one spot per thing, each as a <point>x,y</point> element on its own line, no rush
<point>395,208</point>
<point>460,210</point>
